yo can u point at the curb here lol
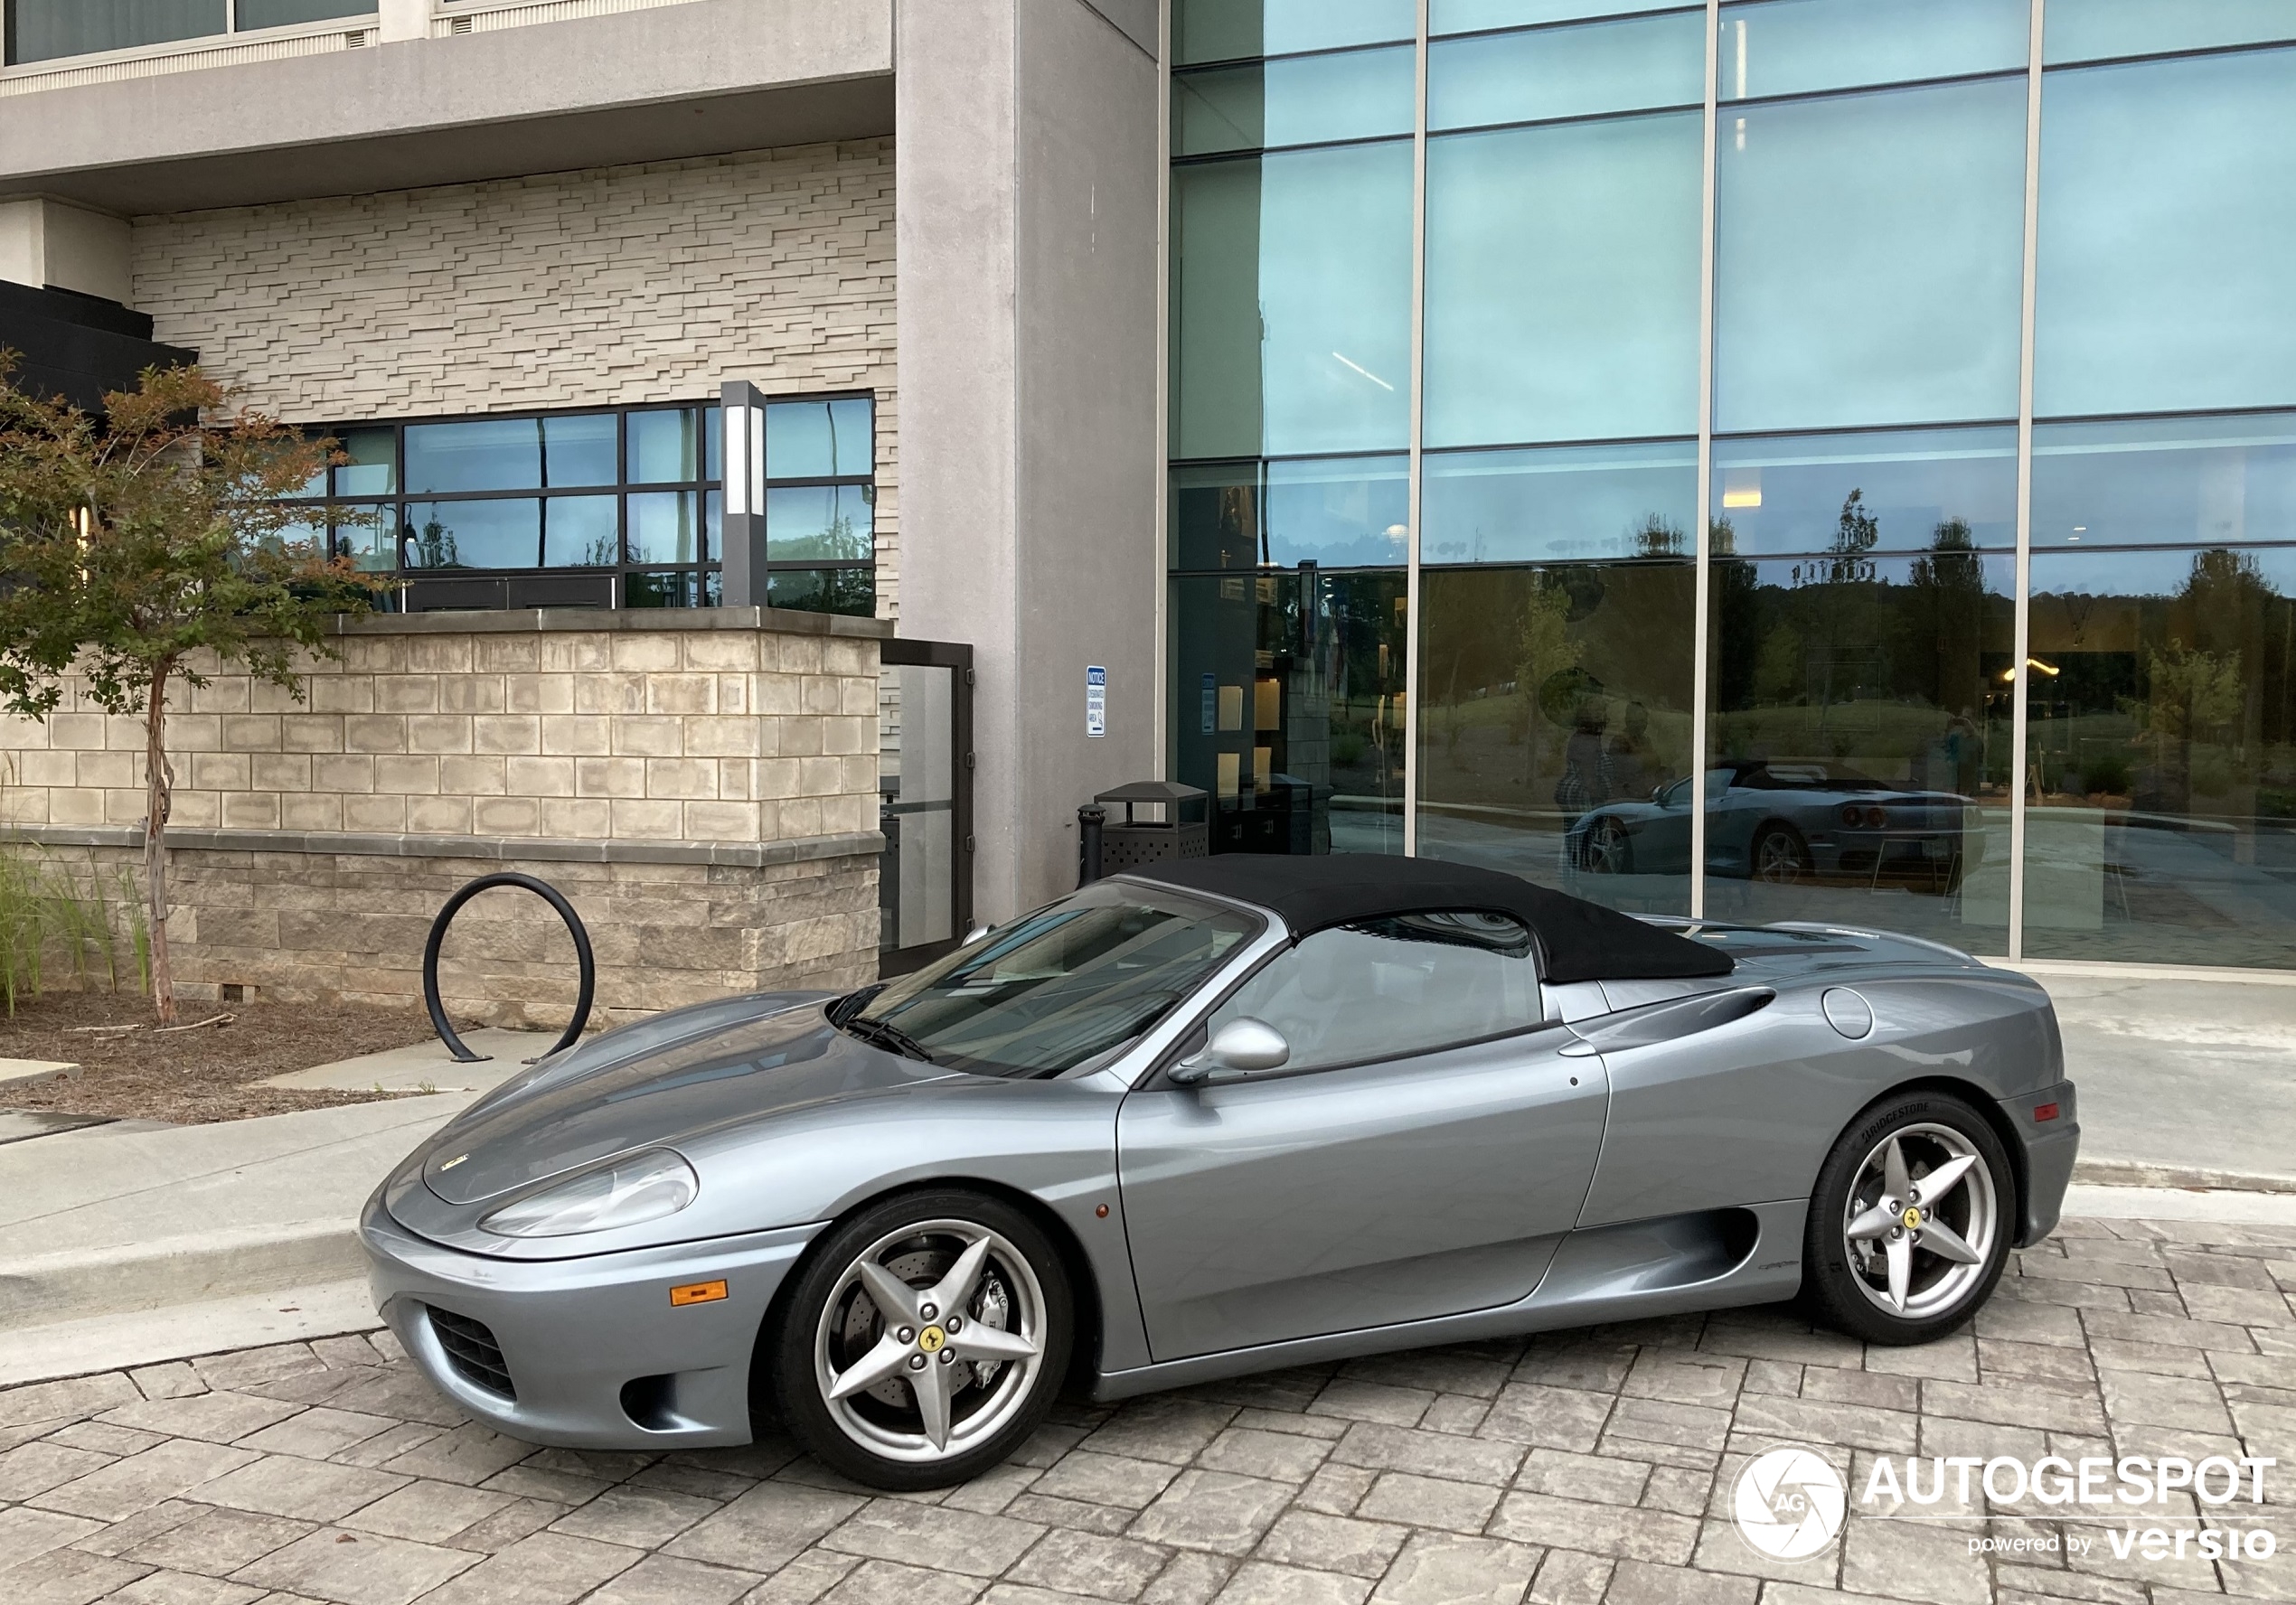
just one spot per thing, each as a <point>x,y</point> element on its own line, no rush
<point>42,1290</point>
<point>2135,1173</point>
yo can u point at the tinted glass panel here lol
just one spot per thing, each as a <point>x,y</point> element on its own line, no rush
<point>1301,100</point>
<point>1785,47</point>
<point>484,455</point>
<point>1230,30</point>
<point>2092,30</point>
<point>1293,708</point>
<point>1869,258</point>
<point>664,446</point>
<point>1862,741</point>
<point>580,532</point>
<point>2165,235</point>
<point>373,468</point>
<point>580,451</point>
<point>1562,282</point>
<point>1215,516</point>
<point>664,528</point>
<point>1562,73</point>
<point>504,533</point>
<point>2162,825</point>
<point>1465,16</point>
<point>1215,276</point>
<point>2181,481</point>
<point>280,14</point>
<point>368,541</point>
<point>852,591</point>
<point>1343,513</point>
<point>713,444</point>
<point>1563,502</point>
<point>820,439</point>
<point>1856,493</point>
<point>659,590</point>
<point>1391,988</point>
<point>1555,702</point>
<point>1335,298</point>
<point>819,523</point>
<point>40,29</point>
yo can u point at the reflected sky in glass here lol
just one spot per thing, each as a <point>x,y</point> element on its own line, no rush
<point>1791,47</point>
<point>1868,258</point>
<point>1793,494</point>
<point>580,531</point>
<point>1561,73</point>
<point>1301,100</point>
<point>2187,481</point>
<point>1565,503</point>
<point>1341,513</point>
<point>820,439</point>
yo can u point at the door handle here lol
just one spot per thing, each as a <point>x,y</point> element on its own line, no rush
<point>1663,1022</point>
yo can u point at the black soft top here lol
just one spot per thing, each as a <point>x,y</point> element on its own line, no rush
<point>1579,941</point>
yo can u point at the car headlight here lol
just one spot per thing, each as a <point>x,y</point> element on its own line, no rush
<point>627,1192</point>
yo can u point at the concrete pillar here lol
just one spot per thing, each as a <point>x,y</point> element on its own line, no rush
<point>47,244</point>
<point>1026,179</point>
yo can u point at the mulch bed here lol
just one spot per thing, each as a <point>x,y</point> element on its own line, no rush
<point>192,1077</point>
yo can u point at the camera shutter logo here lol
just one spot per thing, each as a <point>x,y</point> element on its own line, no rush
<point>1789,1503</point>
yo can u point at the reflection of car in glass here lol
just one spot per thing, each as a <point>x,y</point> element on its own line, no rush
<point>1806,820</point>
<point>1235,1115</point>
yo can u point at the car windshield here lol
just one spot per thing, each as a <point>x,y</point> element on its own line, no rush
<point>1070,984</point>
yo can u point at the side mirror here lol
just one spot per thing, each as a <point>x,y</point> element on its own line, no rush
<point>1242,1048</point>
<point>1657,796</point>
<point>973,935</point>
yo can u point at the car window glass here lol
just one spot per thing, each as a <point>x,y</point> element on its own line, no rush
<point>1066,985</point>
<point>1386,988</point>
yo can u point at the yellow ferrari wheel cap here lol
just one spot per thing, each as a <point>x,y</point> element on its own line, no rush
<point>931,1340</point>
<point>1912,1217</point>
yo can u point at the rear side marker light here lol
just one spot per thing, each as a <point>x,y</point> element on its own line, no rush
<point>697,1292</point>
<point>2045,1112</point>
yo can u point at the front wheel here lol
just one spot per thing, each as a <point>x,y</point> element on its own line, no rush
<point>1911,1222</point>
<point>925,1340</point>
<point>1779,856</point>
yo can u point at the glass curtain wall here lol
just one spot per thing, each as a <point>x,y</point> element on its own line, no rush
<point>1801,322</point>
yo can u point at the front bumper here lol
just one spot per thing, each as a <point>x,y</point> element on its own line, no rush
<point>586,1342</point>
<point>2049,1148</point>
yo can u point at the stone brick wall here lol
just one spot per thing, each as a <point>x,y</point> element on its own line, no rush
<point>610,287</point>
<point>702,785</point>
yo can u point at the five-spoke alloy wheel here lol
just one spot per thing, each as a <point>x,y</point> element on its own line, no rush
<point>1912,1221</point>
<point>925,1340</point>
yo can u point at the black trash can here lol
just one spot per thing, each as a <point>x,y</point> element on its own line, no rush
<point>1148,821</point>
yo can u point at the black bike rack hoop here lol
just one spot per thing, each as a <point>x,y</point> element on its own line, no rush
<point>574,928</point>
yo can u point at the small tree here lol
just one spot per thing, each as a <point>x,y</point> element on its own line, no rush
<point>149,546</point>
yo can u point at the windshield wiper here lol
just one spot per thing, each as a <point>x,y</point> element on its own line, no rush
<point>879,1034</point>
<point>842,1010</point>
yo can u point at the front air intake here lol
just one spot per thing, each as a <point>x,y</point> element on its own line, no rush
<point>472,1351</point>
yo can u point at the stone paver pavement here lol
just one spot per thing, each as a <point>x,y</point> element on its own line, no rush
<point>1587,1467</point>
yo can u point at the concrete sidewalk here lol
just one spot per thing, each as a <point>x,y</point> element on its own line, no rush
<point>2184,1081</point>
<point>109,1221</point>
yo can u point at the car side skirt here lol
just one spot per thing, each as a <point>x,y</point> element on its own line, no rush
<point>1707,1259</point>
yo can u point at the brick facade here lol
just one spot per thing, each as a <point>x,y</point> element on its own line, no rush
<point>702,785</point>
<point>610,287</point>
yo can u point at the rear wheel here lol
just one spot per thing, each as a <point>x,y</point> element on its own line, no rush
<point>1608,851</point>
<point>925,1340</point>
<point>1911,1222</point>
<point>1780,856</point>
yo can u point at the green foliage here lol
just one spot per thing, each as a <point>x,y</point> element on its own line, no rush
<point>136,544</point>
<point>153,545</point>
<point>43,917</point>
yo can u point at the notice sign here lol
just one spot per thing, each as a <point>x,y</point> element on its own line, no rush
<point>1096,701</point>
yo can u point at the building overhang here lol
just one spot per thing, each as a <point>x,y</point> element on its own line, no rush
<point>653,85</point>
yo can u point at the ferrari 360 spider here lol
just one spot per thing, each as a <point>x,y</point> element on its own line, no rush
<point>1217,1117</point>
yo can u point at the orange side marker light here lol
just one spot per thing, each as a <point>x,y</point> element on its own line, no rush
<point>697,1292</point>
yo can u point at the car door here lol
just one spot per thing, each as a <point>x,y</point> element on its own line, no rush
<point>1420,1153</point>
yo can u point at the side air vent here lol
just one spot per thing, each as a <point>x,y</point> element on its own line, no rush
<point>472,1351</point>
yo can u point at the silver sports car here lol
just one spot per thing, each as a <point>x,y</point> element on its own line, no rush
<point>1233,1114</point>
